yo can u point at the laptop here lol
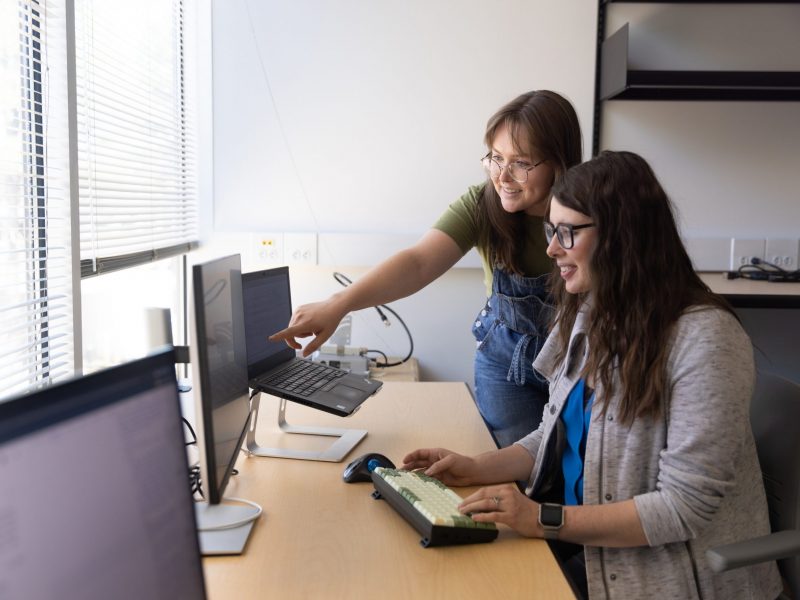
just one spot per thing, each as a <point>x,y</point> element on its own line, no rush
<point>268,309</point>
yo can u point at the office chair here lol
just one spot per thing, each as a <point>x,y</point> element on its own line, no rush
<point>774,417</point>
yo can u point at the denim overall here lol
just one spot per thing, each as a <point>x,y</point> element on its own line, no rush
<point>510,331</point>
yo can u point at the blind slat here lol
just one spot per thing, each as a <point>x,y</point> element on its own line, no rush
<point>136,142</point>
<point>35,259</point>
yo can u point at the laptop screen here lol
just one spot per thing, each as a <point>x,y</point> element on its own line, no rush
<point>96,501</point>
<point>267,310</point>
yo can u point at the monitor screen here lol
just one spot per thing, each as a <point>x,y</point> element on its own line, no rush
<point>220,366</point>
<point>95,501</point>
<point>773,324</point>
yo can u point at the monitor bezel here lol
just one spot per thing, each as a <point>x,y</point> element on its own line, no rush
<point>213,490</point>
<point>81,395</point>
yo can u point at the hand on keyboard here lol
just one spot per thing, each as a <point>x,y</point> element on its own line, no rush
<point>450,467</point>
<point>431,507</point>
<point>504,504</point>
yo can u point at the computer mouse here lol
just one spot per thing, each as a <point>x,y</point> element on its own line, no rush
<point>361,468</point>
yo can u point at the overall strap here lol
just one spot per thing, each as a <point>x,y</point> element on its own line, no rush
<point>517,368</point>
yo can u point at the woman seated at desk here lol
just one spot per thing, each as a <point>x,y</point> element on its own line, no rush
<point>646,440</point>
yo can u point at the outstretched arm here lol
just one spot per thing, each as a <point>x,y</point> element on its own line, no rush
<point>399,276</point>
<point>507,464</point>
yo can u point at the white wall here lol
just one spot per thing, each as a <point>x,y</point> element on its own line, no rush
<point>362,121</point>
<point>732,168</point>
<point>356,118</point>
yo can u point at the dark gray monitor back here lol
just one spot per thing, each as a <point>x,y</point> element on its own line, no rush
<point>221,368</point>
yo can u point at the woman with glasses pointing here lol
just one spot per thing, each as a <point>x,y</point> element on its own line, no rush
<point>531,142</point>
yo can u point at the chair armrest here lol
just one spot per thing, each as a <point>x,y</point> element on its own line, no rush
<point>774,546</point>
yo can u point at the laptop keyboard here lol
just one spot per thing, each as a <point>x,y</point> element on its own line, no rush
<point>304,377</point>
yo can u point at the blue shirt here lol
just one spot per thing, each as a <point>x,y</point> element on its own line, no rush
<point>576,416</point>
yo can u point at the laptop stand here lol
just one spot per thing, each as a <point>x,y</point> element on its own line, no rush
<point>346,439</point>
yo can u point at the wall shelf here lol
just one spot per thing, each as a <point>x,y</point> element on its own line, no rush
<point>616,80</point>
<point>619,82</point>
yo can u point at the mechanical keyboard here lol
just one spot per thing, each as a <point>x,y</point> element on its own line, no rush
<point>430,506</point>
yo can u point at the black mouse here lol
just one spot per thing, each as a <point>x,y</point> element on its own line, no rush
<point>360,468</point>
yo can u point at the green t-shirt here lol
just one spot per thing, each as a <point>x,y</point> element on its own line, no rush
<point>459,221</point>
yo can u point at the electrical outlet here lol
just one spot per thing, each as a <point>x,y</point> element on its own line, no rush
<point>300,248</point>
<point>268,247</point>
<point>783,252</point>
<point>743,251</point>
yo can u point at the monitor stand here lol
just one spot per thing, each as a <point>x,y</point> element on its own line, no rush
<point>346,439</point>
<point>225,540</point>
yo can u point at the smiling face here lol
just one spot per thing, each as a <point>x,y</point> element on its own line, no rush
<point>531,196</point>
<point>574,264</point>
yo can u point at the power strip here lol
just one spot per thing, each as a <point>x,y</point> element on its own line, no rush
<point>349,359</point>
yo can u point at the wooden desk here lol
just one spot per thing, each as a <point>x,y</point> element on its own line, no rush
<point>719,284</point>
<point>322,538</point>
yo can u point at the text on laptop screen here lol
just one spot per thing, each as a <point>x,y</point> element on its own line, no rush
<point>267,310</point>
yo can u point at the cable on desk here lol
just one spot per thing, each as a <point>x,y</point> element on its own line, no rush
<point>761,270</point>
<point>195,483</point>
<point>345,281</point>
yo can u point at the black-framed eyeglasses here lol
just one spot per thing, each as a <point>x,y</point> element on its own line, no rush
<point>517,170</point>
<point>565,232</point>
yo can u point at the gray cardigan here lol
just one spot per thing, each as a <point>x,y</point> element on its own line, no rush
<point>693,474</point>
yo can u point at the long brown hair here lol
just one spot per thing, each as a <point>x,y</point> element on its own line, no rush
<point>549,124</point>
<point>642,279</point>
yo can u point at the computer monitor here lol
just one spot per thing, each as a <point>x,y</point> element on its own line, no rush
<point>95,502</point>
<point>222,401</point>
<point>773,324</point>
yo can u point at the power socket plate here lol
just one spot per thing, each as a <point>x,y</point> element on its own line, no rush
<point>783,252</point>
<point>267,247</point>
<point>743,251</point>
<point>300,248</point>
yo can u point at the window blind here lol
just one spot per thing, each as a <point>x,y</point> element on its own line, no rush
<point>36,344</point>
<point>136,135</point>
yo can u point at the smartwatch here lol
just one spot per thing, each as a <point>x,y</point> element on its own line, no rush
<point>551,518</point>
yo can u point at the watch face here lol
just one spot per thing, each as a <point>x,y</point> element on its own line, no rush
<point>551,514</point>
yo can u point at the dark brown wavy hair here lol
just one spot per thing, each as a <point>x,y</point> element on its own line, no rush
<point>642,279</point>
<point>549,125</point>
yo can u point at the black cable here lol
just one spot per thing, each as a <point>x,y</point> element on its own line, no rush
<point>381,352</point>
<point>757,261</point>
<point>194,435</point>
<point>344,280</point>
<point>195,481</point>
<point>761,270</point>
<point>410,344</point>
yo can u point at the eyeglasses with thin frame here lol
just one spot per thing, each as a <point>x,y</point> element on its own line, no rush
<point>517,170</point>
<point>564,232</point>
